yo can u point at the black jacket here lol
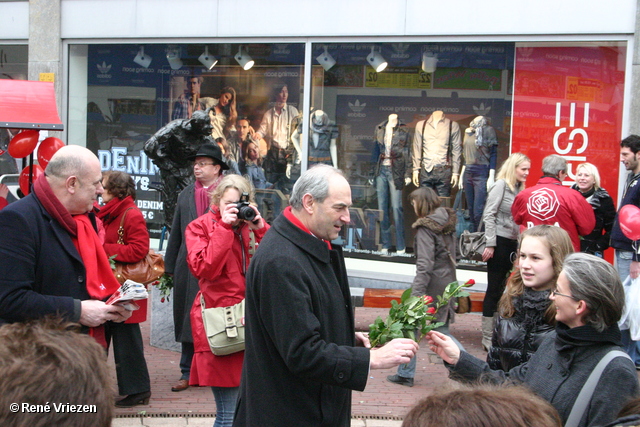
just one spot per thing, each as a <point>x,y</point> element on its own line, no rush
<point>605,212</point>
<point>516,338</point>
<point>399,152</point>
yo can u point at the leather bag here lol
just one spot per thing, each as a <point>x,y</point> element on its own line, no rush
<point>224,327</point>
<point>147,270</point>
<point>472,245</point>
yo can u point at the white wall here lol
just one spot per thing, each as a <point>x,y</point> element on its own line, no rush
<point>14,20</point>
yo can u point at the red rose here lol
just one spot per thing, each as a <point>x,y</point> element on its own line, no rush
<point>470,282</point>
<point>427,299</point>
<point>431,310</point>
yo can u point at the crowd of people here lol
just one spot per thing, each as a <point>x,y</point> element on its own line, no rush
<point>550,315</point>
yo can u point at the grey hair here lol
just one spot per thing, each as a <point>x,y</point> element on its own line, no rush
<point>553,165</point>
<point>315,181</point>
<point>595,281</point>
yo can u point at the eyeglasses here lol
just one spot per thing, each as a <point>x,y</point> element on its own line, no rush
<point>556,293</point>
<point>202,164</point>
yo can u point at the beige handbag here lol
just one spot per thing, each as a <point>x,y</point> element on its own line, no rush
<point>224,327</point>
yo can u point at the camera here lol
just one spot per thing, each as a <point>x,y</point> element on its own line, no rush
<point>245,211</point>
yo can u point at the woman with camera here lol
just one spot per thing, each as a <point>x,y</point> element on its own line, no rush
<point>218,252</point>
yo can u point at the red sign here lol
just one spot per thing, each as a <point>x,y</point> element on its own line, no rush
<point>568,100</point>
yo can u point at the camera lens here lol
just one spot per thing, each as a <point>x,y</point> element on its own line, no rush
<point>246,212</point>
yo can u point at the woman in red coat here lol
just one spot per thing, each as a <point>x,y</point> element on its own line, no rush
<point>218,256</point>
<point>128,351</point>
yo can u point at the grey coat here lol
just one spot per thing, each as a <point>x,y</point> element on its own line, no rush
<point>434,246</point>
<point>185,286</point>
<point>557,374</point>
<point>497,213</point>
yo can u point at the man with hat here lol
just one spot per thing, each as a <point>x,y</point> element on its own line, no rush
<point>193,201</point>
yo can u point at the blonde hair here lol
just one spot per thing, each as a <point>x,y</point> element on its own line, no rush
<point>591,170</point>
<point>508,170</point>
<point>232,181</point>
<point>559,245</point>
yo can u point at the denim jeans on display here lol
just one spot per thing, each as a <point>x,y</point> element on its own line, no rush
<point>438,179</point>
<point>623,260</point>
<point>226,398</point>
<point>387,192</point>
<point>475,189</point>
<point>408,370</point>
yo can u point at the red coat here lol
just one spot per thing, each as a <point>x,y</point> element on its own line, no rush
<point>215,255</point>
<point>136,238</point>
<point>549,202</point>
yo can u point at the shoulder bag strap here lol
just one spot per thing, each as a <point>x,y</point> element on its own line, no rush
<point>121,228</point>
<point>589,387</point>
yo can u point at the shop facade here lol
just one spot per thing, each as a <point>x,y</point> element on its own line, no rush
<point>543,83</point>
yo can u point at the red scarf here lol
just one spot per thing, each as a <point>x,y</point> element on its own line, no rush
<point>100,280</point>
<point>295,221</point>
<point>202,195</point>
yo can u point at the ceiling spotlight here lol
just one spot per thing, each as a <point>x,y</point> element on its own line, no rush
<point>244,59</point>
<point>173,57</point>
<point>376,60</point>
<point>429,62</point>
<point>207,60</point>
<point>326,60</point>
<point>142,59</point>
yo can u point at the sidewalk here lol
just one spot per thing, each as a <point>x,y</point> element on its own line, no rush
<point>382,404</point>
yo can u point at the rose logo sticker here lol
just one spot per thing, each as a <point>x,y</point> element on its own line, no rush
<point>543,204</point>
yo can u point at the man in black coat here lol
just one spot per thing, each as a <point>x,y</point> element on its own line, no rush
<point>301,360</point>
<point>42,270</point>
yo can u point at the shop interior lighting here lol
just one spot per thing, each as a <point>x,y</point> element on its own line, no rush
<point>142,59</point>
<point>243,58</point>
<point>173,57</point>
<point>207,60</point>
<point>376,60</point>
<point>429,62</point>
<point>326,60</point>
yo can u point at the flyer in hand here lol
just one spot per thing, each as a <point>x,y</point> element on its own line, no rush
<point>128,292</point>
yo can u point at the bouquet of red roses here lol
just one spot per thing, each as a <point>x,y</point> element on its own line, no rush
<point>413,313</point>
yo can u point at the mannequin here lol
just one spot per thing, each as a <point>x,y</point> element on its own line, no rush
<point>323,134</point>
<point>436,153</point>
<point>391,175</point>
<point>480,154</point>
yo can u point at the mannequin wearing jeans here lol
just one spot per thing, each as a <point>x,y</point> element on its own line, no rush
<point>391,174</point>
<point>480,154</point>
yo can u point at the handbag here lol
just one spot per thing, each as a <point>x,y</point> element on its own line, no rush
<point>630,318</point>
<point>224,328</point>
<point>147,270</point>
<point>472,245</point>
<point>462,215</point>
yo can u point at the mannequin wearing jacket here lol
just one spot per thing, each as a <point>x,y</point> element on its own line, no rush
<point>480,149</point>
<point>392,172</point>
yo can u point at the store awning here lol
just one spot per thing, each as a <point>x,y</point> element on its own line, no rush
<point>26,104</point>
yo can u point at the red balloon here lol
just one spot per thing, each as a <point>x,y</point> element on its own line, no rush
<point>48,148</point>
<point>23,143</point>
<point>629,218</point>
<point>24,178</point>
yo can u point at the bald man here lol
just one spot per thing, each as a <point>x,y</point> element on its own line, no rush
<point>51,259</point>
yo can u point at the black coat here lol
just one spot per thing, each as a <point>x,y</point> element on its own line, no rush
<point>300,362</point>
<point>605,212</point>
<point>41,271</point>
<point>399,153</point>
<point>516,338</point>
<point>185,286</point>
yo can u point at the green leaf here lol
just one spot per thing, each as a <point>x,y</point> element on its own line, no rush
<point>406,294</point>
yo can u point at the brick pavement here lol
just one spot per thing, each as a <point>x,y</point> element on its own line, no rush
<point>381,404</point>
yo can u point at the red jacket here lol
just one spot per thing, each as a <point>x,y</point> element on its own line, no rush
<point>136,238</point>
<point>549,202</point>
<point>215,255</point>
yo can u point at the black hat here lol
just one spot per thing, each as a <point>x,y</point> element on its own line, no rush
<point>212,151</point>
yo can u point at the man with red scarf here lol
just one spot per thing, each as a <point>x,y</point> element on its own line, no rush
<point>51,258</point>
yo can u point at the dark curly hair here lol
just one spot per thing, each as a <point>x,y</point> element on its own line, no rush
<point>119,184</point>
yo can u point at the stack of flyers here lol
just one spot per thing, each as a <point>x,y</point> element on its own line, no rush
<point>127,293</point>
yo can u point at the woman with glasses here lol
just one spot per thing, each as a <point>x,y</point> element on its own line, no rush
<point>526,315</point>
<point>502,236</point>
<point>588,301</point>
